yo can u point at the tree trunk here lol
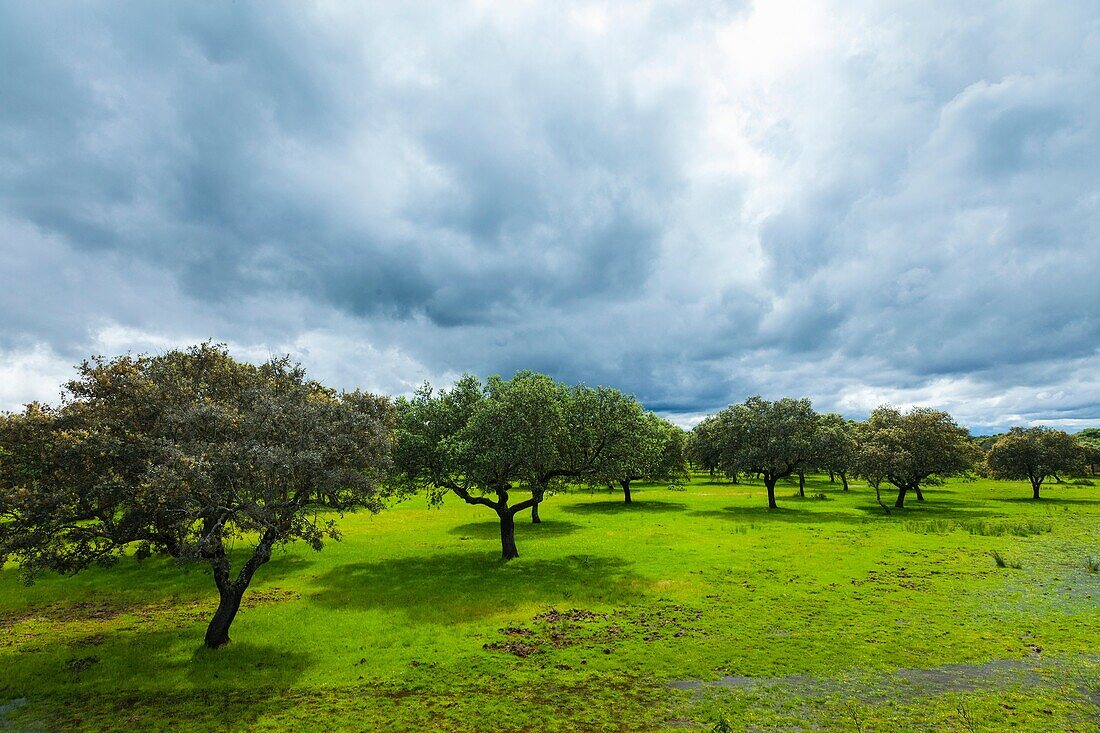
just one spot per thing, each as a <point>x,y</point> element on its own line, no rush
<point>802,484</point>
<point>844,478</point>
<point>900,503</point>
<point>733,477</point>
<point>625,483</point>
<point>508,535</point>
<point>231,593</point>
<point>878,498</point>
<point>1035,488</point>
<point>535,519</point>
<point>832,477</point>
<point>771,493</point>
<point>217,633</point>
<point>920,496</point>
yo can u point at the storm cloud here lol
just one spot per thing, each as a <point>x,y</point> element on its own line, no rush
<point>855,202</point>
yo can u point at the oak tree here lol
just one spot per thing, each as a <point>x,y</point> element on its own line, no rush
<point>1034,454</point>
<point>180,454</point>
<point>773,439</point>
<point>913,449</point>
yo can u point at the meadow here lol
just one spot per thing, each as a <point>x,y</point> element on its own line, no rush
<point>690,609</point>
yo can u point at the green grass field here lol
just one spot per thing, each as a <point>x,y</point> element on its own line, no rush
<point>693,609</point>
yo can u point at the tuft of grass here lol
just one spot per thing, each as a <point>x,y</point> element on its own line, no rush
<point>1092,564</point>
<point>983,528</point>
<point>1003,562</point>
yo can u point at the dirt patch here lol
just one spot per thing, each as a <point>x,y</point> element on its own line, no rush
<point>516,648</point>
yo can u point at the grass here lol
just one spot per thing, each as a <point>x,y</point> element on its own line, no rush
<point>687,609</point>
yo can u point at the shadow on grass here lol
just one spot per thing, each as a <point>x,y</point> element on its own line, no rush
<point>525,529</point>
<point>132,584</point>
<point>621,507</point>
<point>860,514</point>
<point>449,587</point>
<point>149,680</point>
<point>1045,500</point>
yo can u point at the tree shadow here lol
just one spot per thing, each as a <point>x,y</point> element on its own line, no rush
<point>447,586</point>
<point>525,530</point>
<point>134,583</point>
<point>146,678</point>
<point>860,514</point>
<point>1048,500</point>
<point>621,507</point>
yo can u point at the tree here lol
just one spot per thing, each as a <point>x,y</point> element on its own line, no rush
<point>835,446</point>
<point>705,448</point>
<point>1089,440</point>
<point>481,442</point>
<point>913,449</point>
<point>657,454</point>
<point>1034,453</point>
<point>773,439</point>
<point>179,453</point>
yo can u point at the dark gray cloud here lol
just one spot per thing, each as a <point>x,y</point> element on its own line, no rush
<point>856,202</point>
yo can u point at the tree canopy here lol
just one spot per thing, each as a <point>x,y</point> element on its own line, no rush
<point>1034,454</point>
<point>912,449</point>
<point>482,442</point>
<point>181,453</point>
<point>657,454</point>
<point>773,439</point>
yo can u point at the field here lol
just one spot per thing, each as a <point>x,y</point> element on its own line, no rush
<point>690,609</point>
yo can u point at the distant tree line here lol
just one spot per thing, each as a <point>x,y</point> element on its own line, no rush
<point>190,453</point>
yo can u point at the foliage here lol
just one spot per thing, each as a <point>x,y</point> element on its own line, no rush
<point>483,442</point>
<point>182,453</point>
<point>773,439</point>
<point>657,453</point>
<point>835,446</point>
<point>912,449</point>
<point>1034,454</point>
<point>705,446</point>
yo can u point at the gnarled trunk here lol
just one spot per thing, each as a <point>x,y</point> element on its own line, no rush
<point>217,632</point>
<point>770,484</point>
<point>1035,488</point>
<point>625,483</point>
<point>230,592</point>
<point>535,519</point>
<point>900,503</point>
<point>508,535</point>
<point>844,478</point>
<point>878,498</point>
<point>802,484</point>
<point>920,496</point>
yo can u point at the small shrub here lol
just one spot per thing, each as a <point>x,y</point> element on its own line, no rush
<point>1092,564</point>
<point>820,496</point>
<point>722,725</point>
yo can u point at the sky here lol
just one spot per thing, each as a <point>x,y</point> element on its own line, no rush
<point>856,202</point>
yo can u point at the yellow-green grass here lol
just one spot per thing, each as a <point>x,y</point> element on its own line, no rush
<point>823,615</point>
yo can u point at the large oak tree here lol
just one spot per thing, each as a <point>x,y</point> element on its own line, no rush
<point>180,454</point>
<point>912,449</point>
<point>1034,454</point>
<point>656,453</point>
<point>773,439</point>
<point>529,433</point>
